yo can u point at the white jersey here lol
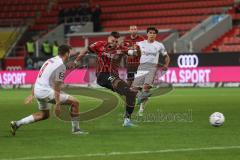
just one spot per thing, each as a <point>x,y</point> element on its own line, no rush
<point>151,51</point>
<point>52,70</point>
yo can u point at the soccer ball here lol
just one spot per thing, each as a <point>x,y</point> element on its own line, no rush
<point>216,119</point>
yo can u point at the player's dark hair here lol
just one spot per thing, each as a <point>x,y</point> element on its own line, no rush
<point>115,34</point>
<point>63,49</point>
<point>151,28</point>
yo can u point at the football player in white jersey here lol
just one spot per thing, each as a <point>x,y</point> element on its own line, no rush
<point>150,52</point>
<point>47,89</point>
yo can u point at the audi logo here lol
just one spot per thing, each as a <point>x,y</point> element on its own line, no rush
<point>13,68</point>
<point>187,61</point>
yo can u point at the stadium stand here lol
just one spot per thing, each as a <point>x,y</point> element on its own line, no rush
<point>39,15</point>
<point>228,42</point>
<point>15,13</point>
<point>181,15</point>
<point>18,11</point>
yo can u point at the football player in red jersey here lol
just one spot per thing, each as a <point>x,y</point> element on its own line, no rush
<point>109,54</point>
<point>132,61</point>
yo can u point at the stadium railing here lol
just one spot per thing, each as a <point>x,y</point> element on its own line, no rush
<point>203,34</point>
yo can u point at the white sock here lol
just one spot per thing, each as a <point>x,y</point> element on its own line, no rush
<point>141,109</point>
<point>75,123</point>
<point>25,120</point>
<point>139,94</point>
<point>126,120</point>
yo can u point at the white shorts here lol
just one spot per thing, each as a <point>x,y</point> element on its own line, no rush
<point>145,75</point>
<point>47,97</point>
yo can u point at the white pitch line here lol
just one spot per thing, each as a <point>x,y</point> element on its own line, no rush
<point>124,153</point>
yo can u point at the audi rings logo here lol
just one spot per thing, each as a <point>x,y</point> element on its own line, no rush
<point>187,61</point>
<point>13,68</point>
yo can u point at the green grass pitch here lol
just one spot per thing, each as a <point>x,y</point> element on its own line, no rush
<point>188,137</point>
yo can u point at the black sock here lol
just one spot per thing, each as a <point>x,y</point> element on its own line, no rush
<point>129,111</point>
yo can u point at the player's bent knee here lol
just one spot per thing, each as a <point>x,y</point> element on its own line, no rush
<point>45,114</point>
<point>147,86</point>
<point>76,103</point>
<point>120,86</point>
<point>75,106</point>
<point>72,101</point>
<point>74,111</point>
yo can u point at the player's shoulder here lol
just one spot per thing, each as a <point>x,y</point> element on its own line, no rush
<point>141,38</point>
<point>57,62</point>
<point>127,37</point>
<point>99,43</point>
<point>102,42</point>
<point>60,65</point>
<point>142,42</point>
<point>157,43</point>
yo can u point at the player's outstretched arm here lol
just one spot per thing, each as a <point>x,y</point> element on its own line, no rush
<point>135,51</point>
<point>165,65</point>
<point>73,64</point>
<point>137,48</point>
<point>81,55</point>
<point>57,90</point>
<point>29,99</point>
<point>166,62</point>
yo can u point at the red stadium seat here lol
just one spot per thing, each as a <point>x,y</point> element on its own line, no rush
<point>179,14</point>
<point>229,48</point>
<point>156,21</point>
<point>228,42</point>
<point>167,6</point>
<point>132,2</point>
<point>39,27</point>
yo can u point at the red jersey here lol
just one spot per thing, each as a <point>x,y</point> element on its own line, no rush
<point>129,41</point>
<point>133,41</point>
<point>108,58</point>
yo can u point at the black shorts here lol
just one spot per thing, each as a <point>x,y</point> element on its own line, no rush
<point>131,71</point>
<point>130,76</point>
<point>103,80</point>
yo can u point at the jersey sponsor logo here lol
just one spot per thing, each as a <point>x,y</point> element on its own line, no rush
<point>150,53</point>
<point>188,61</point>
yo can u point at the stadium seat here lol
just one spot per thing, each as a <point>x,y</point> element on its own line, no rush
<point>228,42</point>
<point>167,6</point>
<point>169,13</point>
<point>231,40</point>
<point>168,20</point>
<point>229,48</point>
<point>132,2</point>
